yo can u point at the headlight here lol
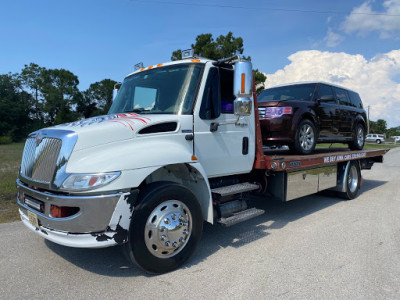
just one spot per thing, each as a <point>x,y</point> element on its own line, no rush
<point>80,182</point>
<point>276,112</point>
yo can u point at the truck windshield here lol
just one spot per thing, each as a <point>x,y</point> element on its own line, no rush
<point>166,90</point>
<point>289,92</point>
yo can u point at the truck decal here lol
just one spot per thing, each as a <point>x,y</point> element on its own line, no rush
<point>345,157</point>
<point>126,119</point>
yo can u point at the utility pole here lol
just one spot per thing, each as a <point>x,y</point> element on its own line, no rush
<point>368,119</point>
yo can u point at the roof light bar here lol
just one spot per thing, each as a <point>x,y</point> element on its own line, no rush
<point>189,53</point>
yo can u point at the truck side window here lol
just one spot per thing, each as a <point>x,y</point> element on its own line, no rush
<point>211,104</point>
<point>227,96</point>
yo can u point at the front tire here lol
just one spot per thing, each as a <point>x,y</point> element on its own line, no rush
<point>378,141</point>
<point>165,229</point>
<point>305,138</point>
<point>359,138</point>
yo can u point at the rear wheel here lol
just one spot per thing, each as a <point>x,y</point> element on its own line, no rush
<point>353,181</point>
<point>305,138</point>
<point>166,228</point>
<point>359,138</point>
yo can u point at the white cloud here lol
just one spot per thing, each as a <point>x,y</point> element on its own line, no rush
<point>363,20</point>
<point>377,80</point>
<point>333,39</point>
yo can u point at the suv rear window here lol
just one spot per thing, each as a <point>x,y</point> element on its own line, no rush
<point>355,99</point>
<point>342,97</point>
<point>291,92</point>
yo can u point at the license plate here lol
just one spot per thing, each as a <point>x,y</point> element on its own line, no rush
<point>33,219</point>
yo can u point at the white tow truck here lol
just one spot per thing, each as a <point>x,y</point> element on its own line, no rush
<point>181,145</point>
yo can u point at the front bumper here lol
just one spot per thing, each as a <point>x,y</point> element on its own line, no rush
<point>102,220</point>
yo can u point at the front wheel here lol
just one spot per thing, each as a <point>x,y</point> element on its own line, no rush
<point>359,138</point>
<point>165,229</point>
<point>378,141</point>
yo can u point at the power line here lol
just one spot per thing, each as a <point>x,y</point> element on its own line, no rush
<point>264,8</point>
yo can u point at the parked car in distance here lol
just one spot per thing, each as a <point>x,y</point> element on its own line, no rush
<point>375,138</point>
<point>302,114</point>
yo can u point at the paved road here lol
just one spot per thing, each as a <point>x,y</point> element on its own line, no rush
<point>317,247</point>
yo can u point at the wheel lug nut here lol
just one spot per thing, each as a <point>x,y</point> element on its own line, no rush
<point>173,217</point>
<point>174,244</point>
<point>167,243</point>
<point>162,229</point>
<point>181,240</point>
<point>181,218</point>
<point>166,221</point>
<point>162,238</point>
<point>184,232</point>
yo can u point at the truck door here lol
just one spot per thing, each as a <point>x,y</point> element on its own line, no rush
<point>230,149</point>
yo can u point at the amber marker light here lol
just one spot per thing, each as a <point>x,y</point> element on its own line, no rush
<point>243,83</point>
<point>142,69</point>
<point>159,65</point>
<point>195,60</point>
<point>194,157</point>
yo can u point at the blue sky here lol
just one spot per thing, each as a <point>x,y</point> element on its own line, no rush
<point>97,39</point>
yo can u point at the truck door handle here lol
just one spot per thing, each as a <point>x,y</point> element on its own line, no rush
<point>189,137</point>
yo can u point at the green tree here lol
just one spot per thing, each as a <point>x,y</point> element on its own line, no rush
<point>222,47</point>
<point>259,79</point>
<point>59,88</point>
<point>97,99</point>
<point>15,108</point>
<point>31,78</point>
<point>377,127</point>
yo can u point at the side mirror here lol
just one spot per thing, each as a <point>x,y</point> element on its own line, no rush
<point>116,88</point>
<point>243,88</point>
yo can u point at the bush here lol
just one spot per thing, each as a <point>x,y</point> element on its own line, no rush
<point>5,140</point>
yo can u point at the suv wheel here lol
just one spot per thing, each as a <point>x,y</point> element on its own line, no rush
<point>378,141</point>
<point>359,138</point>
<point>305,138</point>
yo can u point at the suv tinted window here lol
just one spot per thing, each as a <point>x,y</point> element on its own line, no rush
<point>341,96</point>
<point>355,99</point>
<point>290,92</point>
<point>325,93</point>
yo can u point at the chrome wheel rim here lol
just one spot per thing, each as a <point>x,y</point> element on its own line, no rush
<point>306,137</point>
<point>360,136</point>
<point>168,229</point>
<point>352,179</point>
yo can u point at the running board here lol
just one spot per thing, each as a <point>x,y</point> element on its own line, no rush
<point>235,189</point>
<point>241,216</point>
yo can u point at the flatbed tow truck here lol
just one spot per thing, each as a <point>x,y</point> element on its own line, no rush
<point>165,159</point>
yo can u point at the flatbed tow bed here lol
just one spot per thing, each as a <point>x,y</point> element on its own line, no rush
<point>280,162</point>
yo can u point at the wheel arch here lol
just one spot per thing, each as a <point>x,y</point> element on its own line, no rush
<point>190,175</point>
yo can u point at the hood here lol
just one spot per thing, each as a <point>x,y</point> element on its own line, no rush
<point>112,128</point>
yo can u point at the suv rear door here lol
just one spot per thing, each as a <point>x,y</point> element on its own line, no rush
<point>326,111</point>
<point>345,112</point>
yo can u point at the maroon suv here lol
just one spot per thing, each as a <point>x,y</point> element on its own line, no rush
<point>302,114</point>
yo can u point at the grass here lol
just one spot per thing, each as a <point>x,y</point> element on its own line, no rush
<point>10,160</point>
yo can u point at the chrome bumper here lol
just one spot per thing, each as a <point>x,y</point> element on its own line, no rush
<point>95,212</point>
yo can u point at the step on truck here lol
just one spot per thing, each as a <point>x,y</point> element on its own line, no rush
<point>181,145</point>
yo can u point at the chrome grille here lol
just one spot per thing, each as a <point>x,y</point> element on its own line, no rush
<point>261,112</point>
<point>39,162</point>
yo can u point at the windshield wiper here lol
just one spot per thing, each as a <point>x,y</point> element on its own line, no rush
<point>137,110</point>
